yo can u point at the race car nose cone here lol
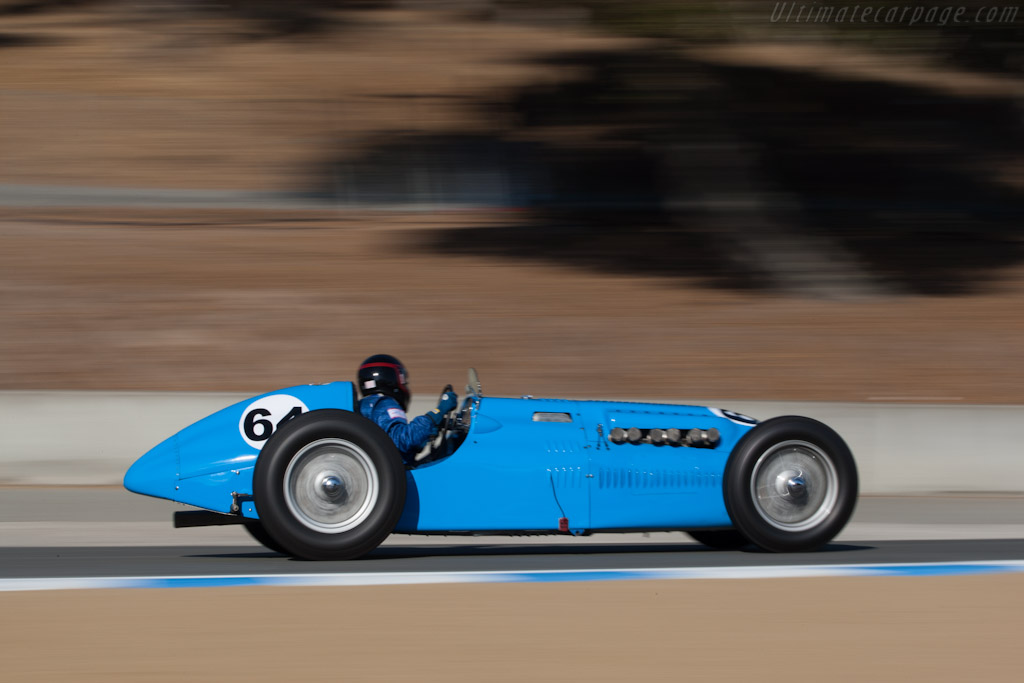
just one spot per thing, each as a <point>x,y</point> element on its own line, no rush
<point>155,473</point>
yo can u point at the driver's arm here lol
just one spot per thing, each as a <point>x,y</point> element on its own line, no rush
<point>410,436</point>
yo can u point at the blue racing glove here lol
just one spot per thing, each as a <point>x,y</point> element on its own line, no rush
<point>448,402</point>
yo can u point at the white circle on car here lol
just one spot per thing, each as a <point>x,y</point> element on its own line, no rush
<point>261,418</point>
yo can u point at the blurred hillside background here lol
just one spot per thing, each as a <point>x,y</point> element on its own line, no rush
<point>638,199</point>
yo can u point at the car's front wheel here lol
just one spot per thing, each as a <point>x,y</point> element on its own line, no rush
<point>260,535</point>
<point>719,539</point>
<point>329,485</point>
<point>790,484</point>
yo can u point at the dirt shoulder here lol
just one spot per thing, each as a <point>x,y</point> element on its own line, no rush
<point>879,629</point>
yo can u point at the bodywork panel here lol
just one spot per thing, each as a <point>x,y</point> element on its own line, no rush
<point>526,465</point>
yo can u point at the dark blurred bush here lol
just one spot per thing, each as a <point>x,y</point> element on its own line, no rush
<point>827,179</point>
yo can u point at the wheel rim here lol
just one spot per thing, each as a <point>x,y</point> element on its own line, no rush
<point>331,485</point>
<point>794,486</point>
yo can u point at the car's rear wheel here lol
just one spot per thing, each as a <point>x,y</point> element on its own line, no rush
<point>790,484</point>
<point>329,485</point>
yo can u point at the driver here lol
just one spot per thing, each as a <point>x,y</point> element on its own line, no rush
<point>384,385</point>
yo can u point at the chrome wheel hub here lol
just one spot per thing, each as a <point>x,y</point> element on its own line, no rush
<point>790,483</point>
<point>331,485</point>
<point>794,485</point>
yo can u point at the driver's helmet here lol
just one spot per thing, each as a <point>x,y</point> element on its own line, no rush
<point>384,374</point>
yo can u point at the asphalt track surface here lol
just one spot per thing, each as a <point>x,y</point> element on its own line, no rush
<point>118,535</point>
<point>214,561</point>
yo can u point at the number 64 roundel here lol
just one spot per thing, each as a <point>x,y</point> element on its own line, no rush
<point>263,417</point>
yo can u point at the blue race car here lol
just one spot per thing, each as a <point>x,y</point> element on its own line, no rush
<point>309,477</point>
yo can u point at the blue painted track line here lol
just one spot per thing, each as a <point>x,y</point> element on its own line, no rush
<point>539,576</point>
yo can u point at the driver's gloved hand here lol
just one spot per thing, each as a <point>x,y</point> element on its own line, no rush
<point>449,401</point>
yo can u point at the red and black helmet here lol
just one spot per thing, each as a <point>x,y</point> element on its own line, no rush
<point>384,374</point>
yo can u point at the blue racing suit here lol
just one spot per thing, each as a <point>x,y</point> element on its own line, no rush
<point>409,437</point>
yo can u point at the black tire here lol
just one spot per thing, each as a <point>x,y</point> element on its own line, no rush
<point>720,539</point>
<point>256,530</point>
<point>790,484</point>
<point>329,485</point>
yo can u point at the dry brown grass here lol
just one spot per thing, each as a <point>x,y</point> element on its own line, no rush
<point>165,101</point>
<point>236,300</point>
<point>250,301</point>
